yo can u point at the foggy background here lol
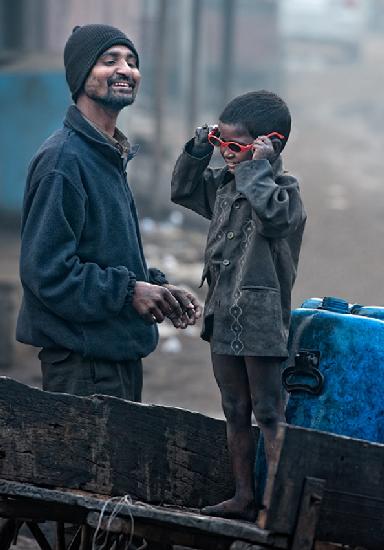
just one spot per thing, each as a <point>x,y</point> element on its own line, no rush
<point>324,57</point>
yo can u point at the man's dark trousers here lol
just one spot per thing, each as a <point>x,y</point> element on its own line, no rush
<point>65,371</point>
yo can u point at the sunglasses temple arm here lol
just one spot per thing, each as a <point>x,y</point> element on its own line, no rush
<point>275,134</point>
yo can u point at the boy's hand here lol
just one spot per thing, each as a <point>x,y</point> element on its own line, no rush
<point>263,149</point>
<point>201,145</point>
<point>190,306</point>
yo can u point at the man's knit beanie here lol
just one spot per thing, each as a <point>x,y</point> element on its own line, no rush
<point>84,47</point>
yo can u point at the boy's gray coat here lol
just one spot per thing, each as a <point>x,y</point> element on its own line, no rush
<point>252,252</point>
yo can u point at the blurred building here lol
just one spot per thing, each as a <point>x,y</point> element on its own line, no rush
<point>195,55</point>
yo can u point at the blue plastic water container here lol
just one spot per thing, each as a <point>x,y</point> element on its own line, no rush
<point>335,373</point>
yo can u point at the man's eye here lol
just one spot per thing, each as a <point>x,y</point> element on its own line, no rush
<point>109,62</point>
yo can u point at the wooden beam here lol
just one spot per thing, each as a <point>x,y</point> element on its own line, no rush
<point>239,545</point>
<point>151,517</point>
<point>352,510</point>
<point>110,446</point>
<point>8,528</point>
<point>60,536</point>
<point>159,533</point>
<point>86,538</point>
<point>40,538</point>
<point>309,513</point>
<point>27,510</point>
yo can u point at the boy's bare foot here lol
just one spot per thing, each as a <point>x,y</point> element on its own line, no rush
<point>232,509</point>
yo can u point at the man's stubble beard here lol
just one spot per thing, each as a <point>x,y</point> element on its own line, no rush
<point>113,102</point>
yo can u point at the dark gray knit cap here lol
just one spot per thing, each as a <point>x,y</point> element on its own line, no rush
<point>84,47</point>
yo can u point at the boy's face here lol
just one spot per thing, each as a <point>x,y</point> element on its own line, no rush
<point>237,133</point>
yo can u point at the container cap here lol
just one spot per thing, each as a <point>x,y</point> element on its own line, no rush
<point>337,305</point>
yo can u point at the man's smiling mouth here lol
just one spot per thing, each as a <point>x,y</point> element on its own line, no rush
<point>125,85</point>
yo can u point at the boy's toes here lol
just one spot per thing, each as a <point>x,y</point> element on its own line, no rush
<point>231,510</point>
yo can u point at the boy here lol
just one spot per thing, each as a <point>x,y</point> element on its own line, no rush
<point>251,257</point>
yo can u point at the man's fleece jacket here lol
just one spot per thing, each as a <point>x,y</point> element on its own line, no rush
<point>81,250</point>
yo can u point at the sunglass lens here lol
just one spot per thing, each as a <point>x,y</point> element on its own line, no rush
<point>214,140</point>
<point>234,147</point>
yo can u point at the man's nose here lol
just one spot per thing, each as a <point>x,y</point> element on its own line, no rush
<point>124,68</point>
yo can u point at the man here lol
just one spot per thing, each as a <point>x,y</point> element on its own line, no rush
<point>89,300</point>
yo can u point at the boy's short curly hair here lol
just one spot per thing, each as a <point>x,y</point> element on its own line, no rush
<point>260,113</point>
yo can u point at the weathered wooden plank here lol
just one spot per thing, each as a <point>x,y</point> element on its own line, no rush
<point>160,533</point>
<point>111,446</point>
<point>60,536</point>
<point>309,513</point>
<point>348,517</point>
<point>8,528</point>
<point>352,510</point>
<point>80,505</point>
<point>22,509</point>
<point>86,538</point>
<point>239,545</point>
<point>40,537</point>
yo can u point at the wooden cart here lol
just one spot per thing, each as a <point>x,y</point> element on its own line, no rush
<point>114,470</point>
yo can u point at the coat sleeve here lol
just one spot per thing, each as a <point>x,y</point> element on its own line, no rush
<point>193,183</point>
<point>276,201</point>
<point>157,277</point>
<point>76,290</point>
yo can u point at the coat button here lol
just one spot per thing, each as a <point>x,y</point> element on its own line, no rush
<point>230,235</point>
<point>236,205</point>
<point>226,262</point>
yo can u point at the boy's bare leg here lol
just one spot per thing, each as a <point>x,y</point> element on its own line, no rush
<point>231,376</point>
<point>264,375</point>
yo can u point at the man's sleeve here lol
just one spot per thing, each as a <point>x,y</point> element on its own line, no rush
<point>277,203</point>
<point>50,266</point>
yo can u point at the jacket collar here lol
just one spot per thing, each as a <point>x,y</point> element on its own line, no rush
<point>277,167</point>
<point>76,121</point>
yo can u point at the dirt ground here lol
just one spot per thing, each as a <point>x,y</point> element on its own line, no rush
<point>336,151</point>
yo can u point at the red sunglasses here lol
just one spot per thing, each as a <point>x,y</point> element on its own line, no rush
<point>233,145</point>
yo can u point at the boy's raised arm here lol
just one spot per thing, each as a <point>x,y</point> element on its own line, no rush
<point>193,183</point>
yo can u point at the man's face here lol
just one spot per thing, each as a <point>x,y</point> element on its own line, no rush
<point>114,79</point>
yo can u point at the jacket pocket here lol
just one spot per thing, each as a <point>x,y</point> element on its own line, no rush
<point>54,356</point>
<point>261,305</point>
